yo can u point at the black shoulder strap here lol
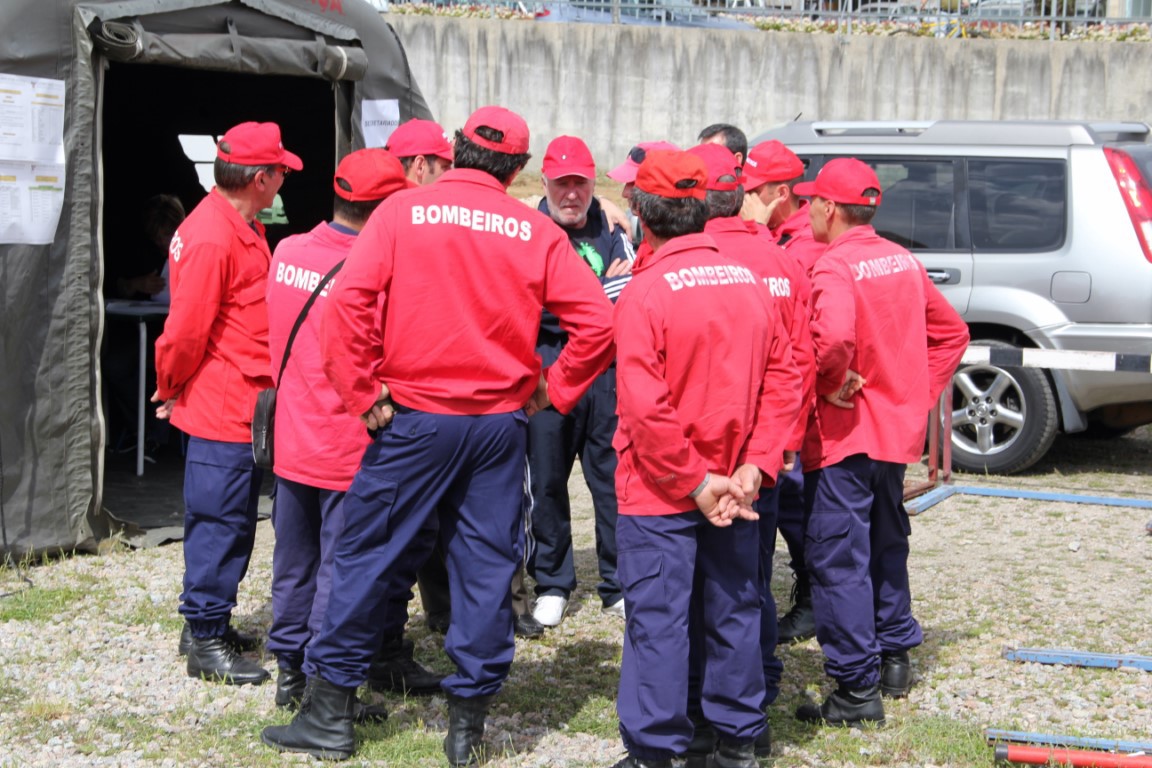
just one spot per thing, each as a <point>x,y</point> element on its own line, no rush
<point>304,313</point>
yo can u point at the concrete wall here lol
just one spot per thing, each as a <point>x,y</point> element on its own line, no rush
<point>616,85</point>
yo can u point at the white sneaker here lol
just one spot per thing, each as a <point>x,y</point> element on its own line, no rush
<point>616,609</point>
<point>550,609</point>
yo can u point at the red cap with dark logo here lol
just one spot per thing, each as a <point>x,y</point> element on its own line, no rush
<point>419,137</point>
<point>568,156</point>
<point>369,174</point>
<point>673,174</point>
<point>843,180</point>
<point>771,161</point>
<point>720,162</point>
<point>256,144</point>
<point>509,123</point>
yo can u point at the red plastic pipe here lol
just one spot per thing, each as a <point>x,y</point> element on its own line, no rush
<point>1016,753</point>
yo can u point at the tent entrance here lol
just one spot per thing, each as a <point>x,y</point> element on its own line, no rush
<point>146,110</point>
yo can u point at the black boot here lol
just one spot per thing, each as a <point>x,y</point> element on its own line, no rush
<point>438,622</point>
<point>394,669</point>
<point>240,643</point>
<point>462,745</point>
<point>895,674</point>
<point>763,743</point>
<point>703,742</point>
<point>214,659</point>
<point>846,707</point>
<point>290,685</point>
<point>636,762</point>
<point>527,627</point>
<point>799,624</point>
<point>730,755</point>
<point>323,726</point>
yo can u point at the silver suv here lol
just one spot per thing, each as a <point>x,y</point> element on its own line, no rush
<point>1040,234</point>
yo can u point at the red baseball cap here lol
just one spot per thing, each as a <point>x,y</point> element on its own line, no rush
<point>771,161</point>
<point>369,174</point>
<point>843,180</point>
<point>419,137</point>
<point>719,161</point>
<point>568,156</point>
<point>509,123</point>
<point>672,173</point>
<point>626,171</point>
<point>256,144</point>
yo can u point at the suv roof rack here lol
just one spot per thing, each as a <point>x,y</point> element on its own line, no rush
<point>988,132</point>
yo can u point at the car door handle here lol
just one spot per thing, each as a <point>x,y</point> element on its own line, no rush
<point>944,276</point>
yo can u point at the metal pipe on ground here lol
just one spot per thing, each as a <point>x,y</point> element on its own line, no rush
<point>996,736</point>
<point>1017,753</point>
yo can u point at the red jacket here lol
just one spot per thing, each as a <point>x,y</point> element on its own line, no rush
<point>213,354</point>
<point>789,286</point>
<point>874,311</point>
<point>796,232</point>
<point>704,376</point>
<point>461,272</point>
<point>318,443</point>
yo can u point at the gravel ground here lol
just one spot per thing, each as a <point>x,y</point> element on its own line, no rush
<point>91,677</point>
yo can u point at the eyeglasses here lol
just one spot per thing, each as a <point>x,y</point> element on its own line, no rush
<point>637,154</point>
<point>284,170</point>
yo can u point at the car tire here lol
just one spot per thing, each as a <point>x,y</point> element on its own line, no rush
<point>1003,419</point>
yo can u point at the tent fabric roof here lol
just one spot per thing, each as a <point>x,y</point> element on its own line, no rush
<point>51,305</point>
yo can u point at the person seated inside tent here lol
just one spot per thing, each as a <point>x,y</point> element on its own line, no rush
<point>137,270</point>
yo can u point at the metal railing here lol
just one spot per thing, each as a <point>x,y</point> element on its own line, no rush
<point>1035,19</point>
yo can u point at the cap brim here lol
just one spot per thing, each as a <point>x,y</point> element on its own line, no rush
<point>624,173</point>
<point>751,181</point>
<point>292,161</point>
<point>805,189</point>
<point>583,173</point>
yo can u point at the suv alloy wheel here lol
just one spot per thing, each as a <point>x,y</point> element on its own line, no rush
<point>1003,419</point>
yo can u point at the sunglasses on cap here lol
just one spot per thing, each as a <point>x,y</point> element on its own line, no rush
<point>637,154</point>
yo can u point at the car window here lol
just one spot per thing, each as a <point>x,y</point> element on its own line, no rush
<point>1017,205</point>
<point>917,209</point>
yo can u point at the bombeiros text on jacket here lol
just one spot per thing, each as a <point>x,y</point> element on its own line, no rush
<point>472,218</point>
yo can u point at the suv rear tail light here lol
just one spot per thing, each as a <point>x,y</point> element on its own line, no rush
<point>1137,196</point>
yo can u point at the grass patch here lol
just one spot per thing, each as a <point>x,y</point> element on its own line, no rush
<point>41,605</point>
<point>597,718</point>
<point>947,741</point>
<point>903,741</point>
<point>400,746</point>
<point>146,613</point>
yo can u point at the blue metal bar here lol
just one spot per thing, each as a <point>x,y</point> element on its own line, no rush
<point>931,498</point>
<point>1104,745</point>
<point>1071,498</point>
<point>1078,658</point>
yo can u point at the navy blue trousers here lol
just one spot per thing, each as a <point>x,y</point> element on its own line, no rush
<point>554,442</point>
<point>472,468</point>
<point>857,549</point>
<point>307,521</point>
<point>789,493</point>
<point>221,491</point>
<point>660,558</point>
<point>767,506</point>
